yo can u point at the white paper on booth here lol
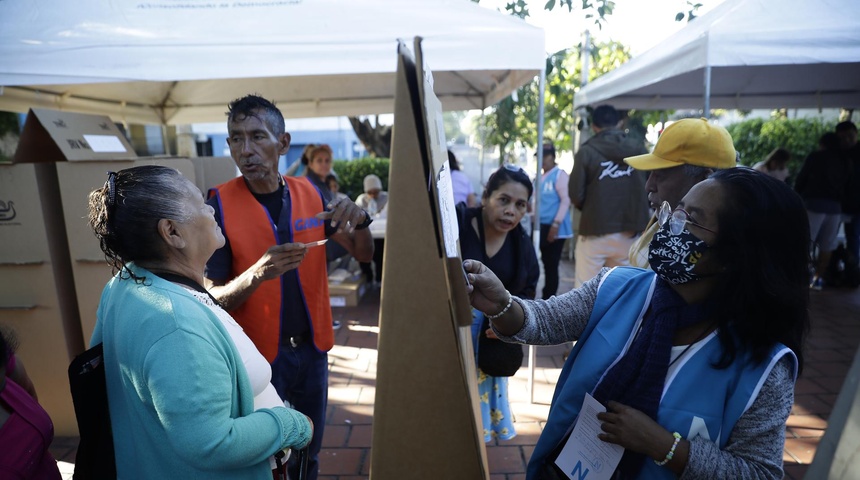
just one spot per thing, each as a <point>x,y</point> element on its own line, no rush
<point>104,143</point>
<point>584,455</point>
<point>447,210</point>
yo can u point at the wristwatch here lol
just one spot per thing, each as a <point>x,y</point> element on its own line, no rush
<point>366,223</point>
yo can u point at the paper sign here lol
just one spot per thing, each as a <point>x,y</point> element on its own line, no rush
<point>104,143</point>
<point>584,456</point>
<point>451,228</point>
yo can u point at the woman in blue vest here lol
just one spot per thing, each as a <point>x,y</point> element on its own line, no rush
<point>492,234</point>
<point>696,361</point>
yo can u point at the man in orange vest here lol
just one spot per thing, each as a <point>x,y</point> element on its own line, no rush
<point>268,275</point>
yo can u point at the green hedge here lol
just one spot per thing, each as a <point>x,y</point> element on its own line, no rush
<point>351,173</point>
<point>755,138</point>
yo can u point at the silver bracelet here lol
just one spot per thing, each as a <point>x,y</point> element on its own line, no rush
<point>504,310</point>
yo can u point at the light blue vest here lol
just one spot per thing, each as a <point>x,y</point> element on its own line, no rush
<point>697,400</point>
<point>549,202</point>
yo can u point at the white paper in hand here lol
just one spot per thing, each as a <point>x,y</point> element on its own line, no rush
<point>585,456</point>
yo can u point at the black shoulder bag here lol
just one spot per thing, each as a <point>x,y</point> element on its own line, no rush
<point>495,357</point>
<point>95,457</point>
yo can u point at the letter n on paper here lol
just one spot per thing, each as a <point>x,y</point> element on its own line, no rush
<point>578,473</point>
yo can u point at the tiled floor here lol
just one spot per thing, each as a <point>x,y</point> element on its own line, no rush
<point>832,343</point>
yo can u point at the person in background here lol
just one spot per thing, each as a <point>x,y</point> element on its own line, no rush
<point>265,276</point>
<point>298,168</point>
<point>610,195</point>
<point>775,164</point>
<point>694,361</point>
<point>462,186</point>
<point>189,394</point>
<point>687,152</point>
<point>26,430</point>
<point>319,167</point>
<point>554,217</point>
<point>334,186</point>
<point>493,235</point>
<point>374,200</point>
<point>821,182</point>
<point>847,133</point>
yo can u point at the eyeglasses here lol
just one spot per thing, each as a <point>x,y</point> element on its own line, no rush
<point>677,219</point>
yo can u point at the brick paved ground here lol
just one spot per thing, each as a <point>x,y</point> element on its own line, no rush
<point>346,446</point>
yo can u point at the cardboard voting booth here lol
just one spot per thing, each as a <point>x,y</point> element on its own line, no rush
<point>838,454</point>
<point>426,421</point>
<point>37,296</point>
<point>69,155</point>
<point>212,171</point>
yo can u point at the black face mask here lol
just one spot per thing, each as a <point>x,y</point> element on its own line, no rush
<point>674,257</point>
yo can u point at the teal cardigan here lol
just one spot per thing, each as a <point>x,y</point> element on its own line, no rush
<point>181,404</point>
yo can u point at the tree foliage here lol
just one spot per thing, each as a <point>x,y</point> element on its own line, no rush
<point>755,138</point>
<point>514,120</point>
<point>351,173</point>
<point>596,10</point>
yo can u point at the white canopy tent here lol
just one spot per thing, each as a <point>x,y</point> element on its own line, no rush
<point>181,61</point>
<point>745,54</point>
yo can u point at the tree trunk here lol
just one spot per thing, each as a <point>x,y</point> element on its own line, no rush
<point>375,138</point>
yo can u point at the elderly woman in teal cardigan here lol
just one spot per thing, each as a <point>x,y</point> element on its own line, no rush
<point>181,399</point>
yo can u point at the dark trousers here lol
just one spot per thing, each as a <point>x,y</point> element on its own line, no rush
<point>550,256</point>
<point>300,375</point>
<point>378,245</point>
<point>852,236</point>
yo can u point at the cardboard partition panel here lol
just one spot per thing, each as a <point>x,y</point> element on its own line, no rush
<point>36,292</point>
<point>212,171</point>
<point>426,421</point>
<point>53,136</point>
<point>838,454</point>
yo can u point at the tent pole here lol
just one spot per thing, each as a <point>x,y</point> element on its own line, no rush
<point>483,145</point>
<point>536,222</point>
<point>707,112</point>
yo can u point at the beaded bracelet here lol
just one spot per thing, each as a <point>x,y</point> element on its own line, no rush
<point>671,450</point>
<point>504,310</point>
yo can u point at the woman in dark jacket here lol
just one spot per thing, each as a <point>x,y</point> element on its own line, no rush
<point>493,235</point>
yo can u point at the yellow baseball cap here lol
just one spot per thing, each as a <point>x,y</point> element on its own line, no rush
<point>691,141</point>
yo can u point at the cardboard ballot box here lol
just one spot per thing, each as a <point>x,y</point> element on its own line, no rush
<point>212,171</point>
<point>36,290</point>
<point>347,293</point>
<point>71,154</point>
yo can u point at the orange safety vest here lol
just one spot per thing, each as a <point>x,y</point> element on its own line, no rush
<point>251,232</point>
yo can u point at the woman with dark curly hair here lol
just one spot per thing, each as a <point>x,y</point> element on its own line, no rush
<point>695,362</point>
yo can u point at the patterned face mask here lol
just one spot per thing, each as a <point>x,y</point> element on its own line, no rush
<point>674,257</point>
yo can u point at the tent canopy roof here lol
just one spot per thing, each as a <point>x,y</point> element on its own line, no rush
<point>762,54</point>
<point>182,61</point>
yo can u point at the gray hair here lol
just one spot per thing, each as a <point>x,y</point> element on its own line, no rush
<point>697,172</point>
<point>125,212</point>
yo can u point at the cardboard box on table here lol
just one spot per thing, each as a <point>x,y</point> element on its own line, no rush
<point>37,296</point>
<point>426,422</point>
<point>347,293</point>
